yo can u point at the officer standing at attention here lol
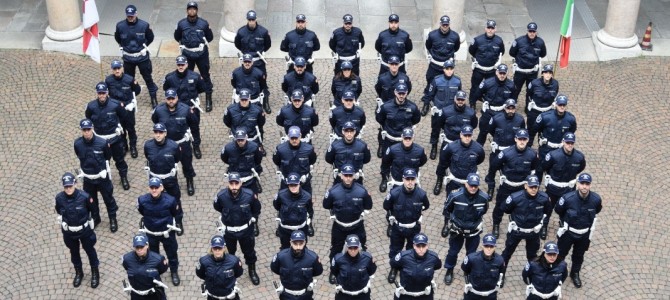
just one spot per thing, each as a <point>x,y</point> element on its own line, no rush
<point>353,270</point>
<point>347,43</point>
<point>220,271</point>
<point>578,210</point>
<point>417,268</point>
<point>300,42</point>
<point>540,94</point>
<point>74,208</point>
<point>187,83</point>
<point>552,126</point>
<point>393,42</point>
<point>94,153</point>
<point>486,50</point>
<point>462,158</point>
<point>345,113</point>
<point>158,212</point>
<point>450,119</point>
<point>247,117</point>
<point>386,82</point>
<point>298,114</point>
<point>494,92</point>
<point>442,91</point>
<point>183,126</point>
<point>254,39</point>
<point>194,35</point>
<point>345,81</point>
<point>124,88</point>
<point>545,275</point>
<point>348,150</point>
<point>240,210</point>
<point>483,271</point>
<point>301,79</point>
<point>144,270</point>
<point>297,267</point>
<point>295,209</point>
<point>244,157</point>
<point>397,157</point>
<point>295,156</point>
<point>134,36</point>
<point>394,116</point>
<point>404,206</point>
<point>441,45</point>
<point>251,78</point>
<point>106,114</point>
<point>465,209</point>
<point>527,51</point>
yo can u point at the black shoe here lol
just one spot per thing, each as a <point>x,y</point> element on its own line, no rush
<point>576,280</point>
<point>438,185</point>
<point>389,228</point>
<point>253,275</point>
<point>449,277</point>
<point>332,278</point>
<point>95,277</point>
<point>491,190</point>
<point>133,151</point>
<point>196,152</point>
<point>266,106</point>
<point>175,278</point>
<point>78,277</point>
<point>256,230</point>
<point>190,188</point>
<point>496,230</point>
<point>113,226</point>
<point>382,185</point>
<point>259,187</point>
<point>208,101</point>
<point>154,102</point>
<point>392,274</point>
<point>180,226</point>
<point>96,222</point>
<point>124,183</point>
<point>433,151</point>
<point>379,152</point>
<point>543,233</point>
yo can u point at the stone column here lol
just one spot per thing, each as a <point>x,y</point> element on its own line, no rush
<point>234,17</point>
<point>455,9</point>
<point>618,38</point>
<point>65,30</point>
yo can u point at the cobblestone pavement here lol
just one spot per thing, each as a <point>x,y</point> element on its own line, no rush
<point>621,107</point>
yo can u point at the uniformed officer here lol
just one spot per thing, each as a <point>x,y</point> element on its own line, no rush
<point>451,119</point>
<point>134,37</point>
<point>442,91</point>
<point>253,80</point>
<point>386,82</point>
<point>577,210</point>
<point>125,88</point>
<point>186,82</point>
<point>298,114</point>
<point>503,127</point>
<point>528,51</point>
<point>562,167</point>
<point>300,79</point>
<point>348,202</point>
<point>394,116</point>
<point>441,45</point>
<point>300,42</point>
<point>244,157</point>
<point>347,112</point>
<point>406,154</point>
<point>463,218</point>
<point>220,271</point>
<point>353,270</point>
<point>162,156</point>
<point>297,267</point>
<point>551,126</point>
<point>545,275</point>
<point>74,208</point>
<point>345,81</point>
<point>462,158</point>
<point>94,153</point>
<point>404,206</point>
<point>393,42</point>
<point>183,126</point>
<point>106,114</point>
<point>348,150</point>
<point>483,271</point>
<point>486,50</point>
<point>494,92</point>
<point>247,117</point>
<point>240,210</point>
<point>144,268</point>
<point>515,164</point>
<point>541,93</point>
<point>254,39</point>
<point>346,43</point>
<point>295,210</point>
<point>194,35</point>
<point>417,268</point>
<point>159,211</point>
<point>295,156</point>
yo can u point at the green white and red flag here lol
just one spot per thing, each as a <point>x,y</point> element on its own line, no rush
<point>566,33</point>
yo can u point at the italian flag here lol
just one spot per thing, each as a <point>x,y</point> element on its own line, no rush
<point>566,34</point>
<point>90,20</point>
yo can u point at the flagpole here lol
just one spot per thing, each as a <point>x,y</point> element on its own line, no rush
<point>558,51</point>
<point>102,75</point>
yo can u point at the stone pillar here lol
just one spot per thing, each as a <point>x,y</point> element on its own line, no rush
<point>234,17</point>
<point>455,9</point>
<point>65,30</point>
<point>618,38</point>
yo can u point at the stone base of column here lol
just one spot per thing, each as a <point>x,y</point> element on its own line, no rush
<point>74,46</point>
<point>462,53</point>
<point>227,44</point>
<point>609,48</point>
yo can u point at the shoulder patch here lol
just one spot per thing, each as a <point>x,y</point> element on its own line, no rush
<point>547,157</point>
<point>332,262</point>
<point>197,265</point>
<point>326,195</point>
<point>527,266</point>
<point>397,256</point>
<point>481,85</point>
<point>500,155</point>
<point>514,43</point>
<point>473,41</point>
<point>465,260</point>
<point>388,150</point>
<point>539,119</point>
<point>561,201</point>
<point>274,259</point>
<point>508,200</point>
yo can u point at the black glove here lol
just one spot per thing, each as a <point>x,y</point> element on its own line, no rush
<point>491,191</point>
<point>445,229</point>
<point>425,109</point>
<point>310,230</point>
<point>543,233</point>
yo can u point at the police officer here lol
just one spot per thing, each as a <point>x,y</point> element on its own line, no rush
<point>247,117</point>
<point>393,42</point>
<point>463,218</point>
<point>186,82</point>
<point>297,267</point>
<point>494,92</point>
<point>503,127</point>
<point>194,35</point>
<point>541,93</point>
<point>244,157</point>
<point>254,80</point>
<point>527,50</point>
<point>345,81</point>
<point>240,210</point>
<point>515,164</point>
<point>353,270</point>
<point>159,211</point>
<point>451,119</point>
<point>162,156</point>
<point>404,206</point>
<point>405,154</point>
<point>125,88</point>
<point>417,268</point>
<point>94,153</point>
<point>486,50</point>
<point>144,268</point>
<point>300,42</point>
<point>346,43</point>
<point>545,275</point>
<point>386,82</point>
<point>295,156</point>
<point>298,114</point>
<point>394,116</point>
<point>441,45</point>
<point>295,210</point>
<point>74,208</point>
<point>106,114</point>
<point>348,202</point>
<point>134,36</point>
<point>562,167</point>
<point>483,271</point>
<point>254,39</point>
<point>183,125</point>
<point>552,126</point>
<point>347,112</point>
<point>578,210</point>
<point>220,271</point>
<point>302,80</point>
<point>462,158</point>
<point>442,91</point>
<point>348,150</point>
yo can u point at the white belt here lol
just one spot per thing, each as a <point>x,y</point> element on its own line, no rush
<point>229,296</point>
<point>142,52</point>
<point>513,227</point>
<point>130,288</point>
<point>223,228</point>
<point>503,179</point>
<point>380,102</point>
<point>544,141</point>
<point>172,173</point>
<point>352,57</point>
<point>383,63</point>
<point>391,183</point>
<point>166,233</point>
<point>187,137</point>
<point>392,220</point>
<point>385,136</point>
<point>351,224</point>
<point>530,289</point>
<point>468,288</point>
<point>357,175</point>
<point>254,174</point>
<point>532,105</point>
<point>548,180</point>
<point>566,227</point>
<point>495,146</point>
<point>468,232</point>
<point>303,178</point>
<point>439,63</point>
<point>79,228</point>
<point>200,47</point>
<point>306,139</point>
<point>310,287</point>
<point>435,111</point>
<point>400,290</point>
<point>443,138</point>
<point>515,68</point>
<point>289,61</point>
<point>102,174</point>
<point>475,64</point>
<point>451,177</point>
<point>117,132</point>
<point>486,107</point>
<point>294,227</point>
<point>365,290</point>
<point>259,99</point>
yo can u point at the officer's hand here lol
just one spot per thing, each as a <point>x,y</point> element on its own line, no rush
<point>445,230</point>
<point>310,230</point>
<point>425,109</point>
